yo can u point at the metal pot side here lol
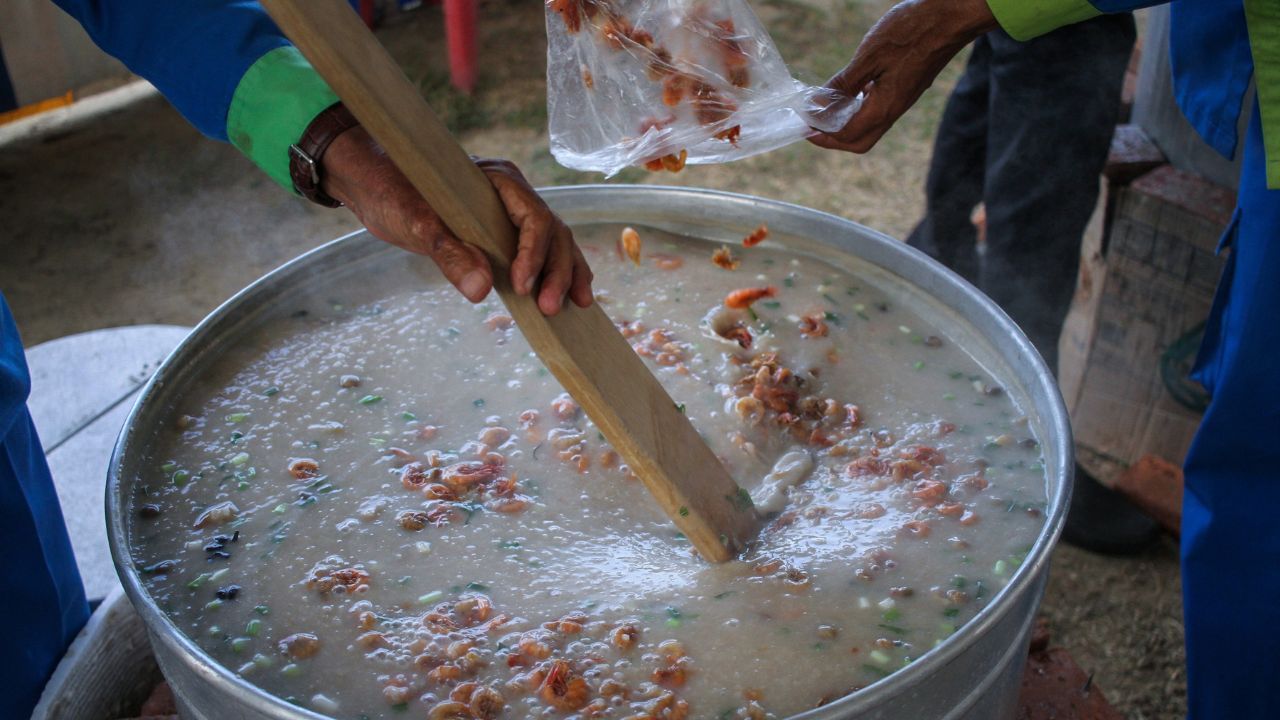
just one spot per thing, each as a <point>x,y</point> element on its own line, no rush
<point>973,675</point>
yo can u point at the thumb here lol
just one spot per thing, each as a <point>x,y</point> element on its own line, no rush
<point>464,266</point>
<point>854,77</point>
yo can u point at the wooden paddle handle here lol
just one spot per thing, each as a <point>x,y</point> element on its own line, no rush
<point>581,347</point>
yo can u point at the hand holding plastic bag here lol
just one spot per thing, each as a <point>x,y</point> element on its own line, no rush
<point>658,83</point>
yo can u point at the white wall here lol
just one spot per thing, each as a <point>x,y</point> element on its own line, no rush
<point>47,53</point>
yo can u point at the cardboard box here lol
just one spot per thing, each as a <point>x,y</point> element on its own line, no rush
<point>1147,278</point>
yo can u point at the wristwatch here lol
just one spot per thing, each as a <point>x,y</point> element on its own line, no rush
<point>306,154</point>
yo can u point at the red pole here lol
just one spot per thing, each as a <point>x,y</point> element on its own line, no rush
<point>460,27</point>
<point>367,12</point>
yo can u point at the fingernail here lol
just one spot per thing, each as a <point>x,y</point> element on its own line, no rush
<point>473,284</point>
<point>528,285</point>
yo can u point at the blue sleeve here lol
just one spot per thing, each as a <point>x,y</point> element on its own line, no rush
<point>194,51</point>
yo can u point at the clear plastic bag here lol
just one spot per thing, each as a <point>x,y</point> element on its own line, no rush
<point>658,83</point>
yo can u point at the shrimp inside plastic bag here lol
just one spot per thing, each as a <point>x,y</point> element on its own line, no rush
<point>658,83</point>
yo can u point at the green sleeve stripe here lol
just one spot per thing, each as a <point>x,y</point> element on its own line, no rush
<point>276,100</point>
<point>1263,20</point>
<point>1026,19</point>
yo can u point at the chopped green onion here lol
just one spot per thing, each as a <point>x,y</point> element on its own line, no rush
<point>874,669</point>
<point>168,467</point>
<point>263,661</point>
<point>741,500</point>
<point>218,574</point>
<point>253,627</point>
<point>408,416</point>
<point>213,604</point>
<point>918,365</point>
<point>271,391</point>
<point>674,622</point>
<point>477,587</point>
<point>684,511</point>
<point>240,458</point>
<point>181,477</point>
<point>291,670</point>
<point>370,399</point>
<point>237,417</point>
<point>880,657</point>
<point>430,597</point>
<point>1000,568</point>
<point>262,609</point>
<point>478,402</point>
<point>198,580</point>
<point>240,644</point>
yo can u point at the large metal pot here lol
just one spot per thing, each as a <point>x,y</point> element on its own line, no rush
<point>975,674</point>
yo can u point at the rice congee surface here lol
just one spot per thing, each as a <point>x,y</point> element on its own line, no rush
<point>382,505</point>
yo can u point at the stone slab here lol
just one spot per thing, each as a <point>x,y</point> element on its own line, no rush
<point>82,388</point>
<point>76,378</point>
<point>79,468</point>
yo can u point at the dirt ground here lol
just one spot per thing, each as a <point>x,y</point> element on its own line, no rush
<point>166,225</point>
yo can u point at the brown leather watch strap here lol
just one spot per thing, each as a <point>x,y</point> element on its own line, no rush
<point>306,154</point>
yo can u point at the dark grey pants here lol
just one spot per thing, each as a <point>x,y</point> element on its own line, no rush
<point>1026,132</point>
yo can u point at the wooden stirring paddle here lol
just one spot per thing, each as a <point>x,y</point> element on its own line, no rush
<point>582,348</point>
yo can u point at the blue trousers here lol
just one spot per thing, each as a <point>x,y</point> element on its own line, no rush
<point>1230,527</point>
<point>43,601</point>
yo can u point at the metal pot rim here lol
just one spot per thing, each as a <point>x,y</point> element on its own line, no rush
<point>1056,427</point>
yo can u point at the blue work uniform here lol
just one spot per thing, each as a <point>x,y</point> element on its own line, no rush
<point>1230,538</point>
<point>44,600</point>
<point>197,52</point>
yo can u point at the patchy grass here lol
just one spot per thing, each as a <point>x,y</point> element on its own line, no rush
<point>507,115</point>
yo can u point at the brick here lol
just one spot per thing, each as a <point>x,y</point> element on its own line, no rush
<point>1189,192</point>
<point>1132,154</point>
<point>160,703</point>
<point>1155,485</point>
<point>1055,688</point>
